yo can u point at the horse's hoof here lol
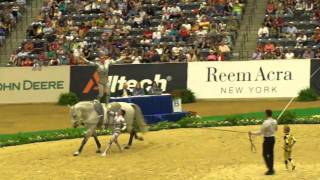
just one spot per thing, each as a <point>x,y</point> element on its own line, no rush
<point>140,138</point>
<point>104,154</point>
<point>127,147</point>
<point>76,153</point>
<point>98,151</point>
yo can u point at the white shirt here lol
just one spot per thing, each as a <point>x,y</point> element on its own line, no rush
<point>289,55</point>
<point>268,129</point>
<point>156,35</point>
<point>263,30</point>
<point>174,10</point>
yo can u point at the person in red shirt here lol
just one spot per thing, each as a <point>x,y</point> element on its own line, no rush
<point>270,7</point>
<point>147,33</point>
<point>269,47</point>
<point>212,56</point>
<point>184,33</point>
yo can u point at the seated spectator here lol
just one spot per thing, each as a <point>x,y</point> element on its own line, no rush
<point>173,34</point>
<point>54,62</point>
<point>317,54</point>
<point>237,10</point>
<point>289,55</point>
<point>154,89</point>
<point>147,33</point>
<point>270,7</point>
<point>156,36</point>
<point>184,34</point>
<point>224,48</point>
<point>291,31</point>
<point>278,22</point>
<point>278,54</point>
<point>257,55</point>
<point>192,56</point>
<point>138,90</point>
<point>269,47</point>
<point>301,39</point>
<point>263,31</point>
<point>165,12</point>
<point>212,56</point>
<point>136,59</point>
<point>175,11</point>
<point>154,56</point>
<point>176,51</point>
<point>308,54</point>
<point>124,92</point>
<point>268,55</point>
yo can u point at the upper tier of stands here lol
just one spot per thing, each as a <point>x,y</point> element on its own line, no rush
<point>134,31</point>
<point>291,29</point>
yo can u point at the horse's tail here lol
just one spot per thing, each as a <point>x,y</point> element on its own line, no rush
<point>139,119</point>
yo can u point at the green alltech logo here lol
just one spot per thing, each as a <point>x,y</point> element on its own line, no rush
<point>27,85</point>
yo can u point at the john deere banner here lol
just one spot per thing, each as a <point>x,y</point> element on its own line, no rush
<point>249,79</point>
<point>23,85</point>
<point>169,76</point>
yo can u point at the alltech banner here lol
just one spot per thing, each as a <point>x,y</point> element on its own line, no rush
<point>169,76</point>
<point>23,85</point>
<point>249,79</point>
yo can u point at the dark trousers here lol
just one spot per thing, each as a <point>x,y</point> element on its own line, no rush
<point>268,147</point>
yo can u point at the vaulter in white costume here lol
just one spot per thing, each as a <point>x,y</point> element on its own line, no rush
<point>103,71</point>
<point>119,124</point>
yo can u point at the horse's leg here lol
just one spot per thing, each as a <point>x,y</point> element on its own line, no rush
<point>137,137</point>
<point>84,141</point>
<point>132,134</point>
<point>97,142</point>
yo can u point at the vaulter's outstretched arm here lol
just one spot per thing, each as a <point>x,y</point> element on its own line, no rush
<point>89,62</point>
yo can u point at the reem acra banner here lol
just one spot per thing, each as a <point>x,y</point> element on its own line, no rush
<point>23,85</point>
<point>249,79</point>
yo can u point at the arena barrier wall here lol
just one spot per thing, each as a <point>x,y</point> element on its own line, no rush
<point>315,80</point>
<point>23,85</point>
<point>248,79</point>
<point>169,76</point>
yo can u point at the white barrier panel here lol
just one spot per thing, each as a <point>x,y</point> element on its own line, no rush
<point>248,79</point>
<point>22,85</point>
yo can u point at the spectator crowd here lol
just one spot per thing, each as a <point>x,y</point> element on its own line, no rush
<point>291,29</point>
<point>10,13</point>
<point>134,31</point>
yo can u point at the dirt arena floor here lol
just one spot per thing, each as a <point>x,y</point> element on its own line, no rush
<point>169,154</point>
<point>206,154</point>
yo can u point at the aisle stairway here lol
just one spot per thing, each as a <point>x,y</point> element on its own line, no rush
<point>18,34</point>
<point>247,38</point>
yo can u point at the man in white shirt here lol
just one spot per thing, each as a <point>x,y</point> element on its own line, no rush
<point>268,130</point>
<point>289,55</point>
<point>263,31</point>
<point>175,11</point>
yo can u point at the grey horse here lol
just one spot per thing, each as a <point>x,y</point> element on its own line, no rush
<point>85,114</point>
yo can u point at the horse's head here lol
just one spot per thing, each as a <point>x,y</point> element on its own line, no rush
<point>75,115</point>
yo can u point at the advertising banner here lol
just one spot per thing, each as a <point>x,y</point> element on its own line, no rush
<point>249,79</point>
<point>168,76</point>
<point>315,72</point>
<point>23,85</point>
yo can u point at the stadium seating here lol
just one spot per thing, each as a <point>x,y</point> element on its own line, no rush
<point>293,26</point>
<point>10,13</point>
<point>140,29</point>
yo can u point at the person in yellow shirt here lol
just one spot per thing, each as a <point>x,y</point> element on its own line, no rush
<point>289,141</point>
